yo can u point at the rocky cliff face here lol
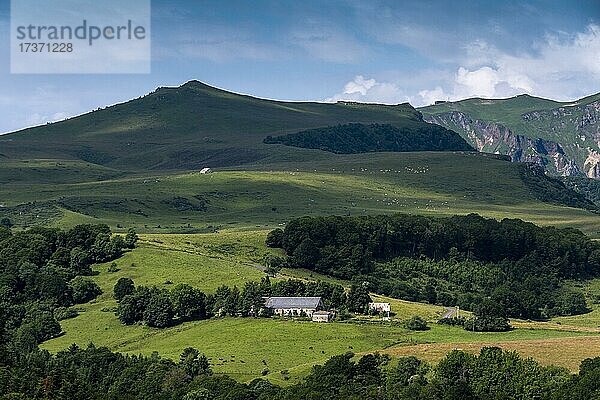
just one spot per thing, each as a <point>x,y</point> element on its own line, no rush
<point>591,165</point>
<point>583,122</point>
<point>496,138</point>
<point>568,143</point>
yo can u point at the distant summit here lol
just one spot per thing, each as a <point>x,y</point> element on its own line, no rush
<point>193,125</point>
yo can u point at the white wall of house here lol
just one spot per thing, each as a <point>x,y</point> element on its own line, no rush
<point>294,311</point>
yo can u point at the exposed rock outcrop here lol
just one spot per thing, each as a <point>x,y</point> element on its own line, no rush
<point>592,164</point>
<point>496,138</point>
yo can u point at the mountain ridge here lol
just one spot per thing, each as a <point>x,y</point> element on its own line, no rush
<point>189,126</point>
<point>569,131</point>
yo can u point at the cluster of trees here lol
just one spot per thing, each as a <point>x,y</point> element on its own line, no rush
<point>359,138</point>
<point>588,187</point>
<point>98,374</point>
<point>458,260</point>
<point>467,283</point>
<point>43,271</point>
<point>493,374</point>
<point>488,316</point>
<point>554,190</point>
<point>157,307</point>
<point>161,308</point>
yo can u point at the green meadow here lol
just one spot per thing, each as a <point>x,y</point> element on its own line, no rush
<point>246,348</point>
<point>266,196</point>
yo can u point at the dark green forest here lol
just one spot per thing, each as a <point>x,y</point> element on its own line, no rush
<point>571,192</point>
<point>588,187</point>
<point>459,260</point>
<point>45,270</point>
<point>359,138</point>
<point>97,373</point>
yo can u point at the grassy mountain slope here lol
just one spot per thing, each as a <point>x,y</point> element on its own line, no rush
<point>355,184</point>
<point>504,111</point>
<point>116,165</point>
<point>189,127</point>
<point>562,137</point>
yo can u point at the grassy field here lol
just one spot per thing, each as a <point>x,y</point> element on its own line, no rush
<point>567,352</point>
<point>239,346</point>
<point>243,348</point>
<point>422,183</point>
<point>207,261</point>
<point>591,319</point>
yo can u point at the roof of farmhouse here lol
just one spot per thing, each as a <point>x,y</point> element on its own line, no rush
<point>293,302</point>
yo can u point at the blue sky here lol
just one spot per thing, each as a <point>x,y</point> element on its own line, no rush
<point>373,51</point>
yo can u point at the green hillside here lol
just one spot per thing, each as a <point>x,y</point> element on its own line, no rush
<point>272,194</point>
<point>504,111</point>
<point>245,347</point>
<point>562,137</point>
<point>189,127</point>
<point>132,165</point>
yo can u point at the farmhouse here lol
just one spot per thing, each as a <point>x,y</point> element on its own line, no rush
<point>294,305</point>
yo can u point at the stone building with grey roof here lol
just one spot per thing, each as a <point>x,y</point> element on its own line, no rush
<point>288,306</point>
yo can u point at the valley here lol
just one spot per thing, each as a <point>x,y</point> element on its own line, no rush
<point>243,347</point>
<point>139,165</point>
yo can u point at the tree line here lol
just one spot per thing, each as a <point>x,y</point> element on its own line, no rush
<point>360,138</point>
<point>98,374</point>
<point>43,271</point>
<point>458,260</point>
<point>160,307</point>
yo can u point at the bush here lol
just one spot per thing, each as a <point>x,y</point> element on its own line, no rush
<point>113,267</point>
<point>7,223</point>
<point>84,289</point>
<point>131,307</point>
<point>570,303</point>
<point>62,313</point>
<point>275,238</point>
<point>123,287</point>
<point>416,323</point>
<point>130,239</point>
<point>159,312</point>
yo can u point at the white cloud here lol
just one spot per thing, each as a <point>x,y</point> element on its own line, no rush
<point>38,119</point>
<point>565,67</point>
<point>431,96</point>
<point>370,91</point>
<point>490,82</point>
